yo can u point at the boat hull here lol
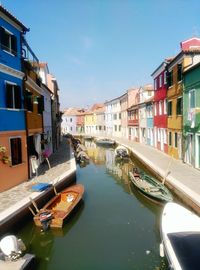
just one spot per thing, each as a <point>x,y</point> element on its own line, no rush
<point>59,207</point>
<point>180,233</point>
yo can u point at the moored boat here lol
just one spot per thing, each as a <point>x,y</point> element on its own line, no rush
<point>105,142</point>
<point>12,255</point>
<point>150,187</point>
<point>59,207</point>
<point>121,152</point>
<point>180,233</point>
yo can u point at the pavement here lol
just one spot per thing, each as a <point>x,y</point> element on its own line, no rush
<point>183,179</point>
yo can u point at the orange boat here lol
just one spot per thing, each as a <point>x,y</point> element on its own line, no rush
<point>59,207</point>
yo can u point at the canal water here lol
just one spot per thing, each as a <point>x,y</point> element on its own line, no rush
<point>114,228</point>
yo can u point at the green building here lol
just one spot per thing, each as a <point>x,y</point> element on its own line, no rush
<point>191,116</point>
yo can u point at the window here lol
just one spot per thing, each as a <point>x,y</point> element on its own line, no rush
<point>165,106</point>
<point>115,127</point>
<point>169,108</point>
<point>155,108</point>
<point>119,115</point>
<point>16,151</point>
<point>70,119</point>
<point>13,96</point>
<point>119,127</point>
<point>160,107</point>
<point>179,106</point>
<point>28,101</point>
<point>179,73</point>
<point>192,99</point>
<point>165,77</point>
<point>165,136</point>
<point>170,78</point>
<point>160,80</point>
<point>158,134</point>
<point>175,139</point>
<point>155,84</point>
<point>8,41</point>
<point>170,138</point>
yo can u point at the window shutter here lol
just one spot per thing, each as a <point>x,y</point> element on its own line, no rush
<point>40,104</point>
<point>18,98</point>
<point>28,101</point>
<point>14,45</point>
<point>9,96</point>
<point>16,151</point>
<point>2,38</point>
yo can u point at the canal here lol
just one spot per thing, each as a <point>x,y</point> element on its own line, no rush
<point>114,228</point>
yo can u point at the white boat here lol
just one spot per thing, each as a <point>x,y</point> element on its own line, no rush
<point>11,254</point>
<point>121,152</point>
<point>105,142</point>
<point>180,233</point>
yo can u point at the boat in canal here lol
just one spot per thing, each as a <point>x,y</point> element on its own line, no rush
<point>11,254</point>
<point>105,142</point>
<point>180,233</point>
<point>150,187</point>
<point>121,153</point>
<point>59,207</point>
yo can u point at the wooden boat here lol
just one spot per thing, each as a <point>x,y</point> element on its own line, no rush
<point>59,207</point>
<point>180,233</point>
<point>105,142</point>
<point>150,187</point>
<point>121,152</point>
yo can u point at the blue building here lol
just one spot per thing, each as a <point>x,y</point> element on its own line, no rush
<point>150,124</point>
<point>12,116</point>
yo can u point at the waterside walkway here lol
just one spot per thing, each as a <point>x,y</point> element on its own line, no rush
<point>17,198</point>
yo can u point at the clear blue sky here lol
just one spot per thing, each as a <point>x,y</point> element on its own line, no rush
<point>97,49</point>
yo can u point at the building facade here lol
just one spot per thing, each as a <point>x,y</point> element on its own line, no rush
<point>13,147</point>
<point>191,116</point>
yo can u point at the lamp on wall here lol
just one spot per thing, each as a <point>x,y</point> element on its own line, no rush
<point>35,100</point>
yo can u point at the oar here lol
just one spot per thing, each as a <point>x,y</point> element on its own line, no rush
<point>34,204</point>
<point>32,211</point>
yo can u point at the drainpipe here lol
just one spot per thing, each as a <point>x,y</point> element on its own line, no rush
<point>25,110</point>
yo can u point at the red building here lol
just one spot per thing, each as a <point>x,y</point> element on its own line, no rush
<point>160,107</point>
<point>133,118</point>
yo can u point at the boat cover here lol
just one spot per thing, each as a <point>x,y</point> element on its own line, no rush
<point>41,186</point>
<point>187,249</point>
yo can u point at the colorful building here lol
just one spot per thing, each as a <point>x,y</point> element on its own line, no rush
<point>160,107</point>
<point>13,147</point>
<point>69,121</point>
<point>133,117</point>
<point>145,93</point>
<point>191,116</point>
<point>150,123</point>
<point>188,57</point>
<point>80,127</point>
<point>100,121</point>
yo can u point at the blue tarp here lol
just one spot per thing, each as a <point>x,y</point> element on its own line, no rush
<point>41,186</point>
